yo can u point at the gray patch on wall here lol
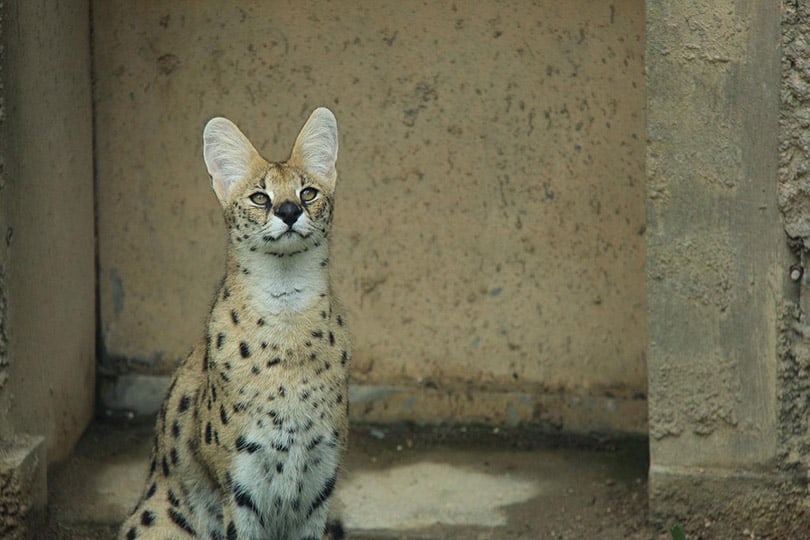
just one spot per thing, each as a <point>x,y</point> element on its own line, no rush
<point>6,240</point>
<point>794,203</point>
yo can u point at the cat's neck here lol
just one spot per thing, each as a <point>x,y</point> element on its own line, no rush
<point>281,285</point>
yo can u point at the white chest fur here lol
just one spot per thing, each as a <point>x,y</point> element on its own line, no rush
<point>277,286</point>
<point>282,473</point>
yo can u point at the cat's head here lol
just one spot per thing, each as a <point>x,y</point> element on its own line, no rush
<point>279,209</point>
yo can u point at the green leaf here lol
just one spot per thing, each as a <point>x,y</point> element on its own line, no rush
<point>677,533</point>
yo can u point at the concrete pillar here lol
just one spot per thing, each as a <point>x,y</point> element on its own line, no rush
<point>717,268</point>
<point>47,249</point>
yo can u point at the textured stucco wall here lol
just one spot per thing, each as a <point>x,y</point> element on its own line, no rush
<point>794,199</point>
<point>47,303</point>
<point>490,224</point>
<point>718,267</point>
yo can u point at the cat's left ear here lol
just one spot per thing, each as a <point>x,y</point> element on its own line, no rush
<point>316,147</point>
<point>228,155</point>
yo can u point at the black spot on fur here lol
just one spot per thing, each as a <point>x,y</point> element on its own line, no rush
<point>273,362</point>
<point>278,446</point>
<point>151,491</point>
<point>243,499</point>
<point>331,339</point>
<point>340,320</point>
<point>317,334</point>
<point>132,534</point>
<point>260,322</point>
<point>255,370</point>
<point>323,495</point>
<point>173,500</point>
<point>175,429</point>
<point>231,533</point>
<point>220,340</point>
<point>344,357</point>
<point>182,407</point>
<point>180,520</point>
<point>235,317</point>
<point>315,442</point>
<point>147,518</point>
<point>244,350</point>
<point>223,415</point>
<point>244,446</point>
<point>334,531</point>
<point>279,467</point>
<point>173,456</point>
<point>165,465</point>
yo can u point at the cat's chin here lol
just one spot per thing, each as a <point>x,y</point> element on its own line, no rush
<point>290,235</point>
<point>288,244</point>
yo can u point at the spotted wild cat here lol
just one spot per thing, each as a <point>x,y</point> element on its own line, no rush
<point>249,439</point>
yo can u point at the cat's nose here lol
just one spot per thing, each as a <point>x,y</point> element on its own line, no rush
<point>288,211</point>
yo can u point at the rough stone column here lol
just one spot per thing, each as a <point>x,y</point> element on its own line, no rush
<point>47,270</point>
<point>718,265</point>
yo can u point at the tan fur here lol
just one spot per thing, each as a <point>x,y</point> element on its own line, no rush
<point>249,438</point>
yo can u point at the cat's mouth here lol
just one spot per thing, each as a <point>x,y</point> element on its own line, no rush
<point>289,233</point>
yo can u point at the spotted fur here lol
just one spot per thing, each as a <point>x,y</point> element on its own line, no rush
<point>249,439</point>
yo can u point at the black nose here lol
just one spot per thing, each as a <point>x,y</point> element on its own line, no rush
<point>288,211</point>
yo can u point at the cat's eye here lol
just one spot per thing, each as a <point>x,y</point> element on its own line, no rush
<point>308,195</point>
<point>260,199</point>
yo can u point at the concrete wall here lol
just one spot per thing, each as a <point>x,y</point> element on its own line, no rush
<point>489,235</point>
<point>725,414</point>
<point>47,199</point>
<point>47,249</point>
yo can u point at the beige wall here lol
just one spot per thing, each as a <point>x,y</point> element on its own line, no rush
<point>47,266</point>
<point>490,226</point>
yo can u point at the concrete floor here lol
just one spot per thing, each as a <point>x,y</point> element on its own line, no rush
<point>423,484</point>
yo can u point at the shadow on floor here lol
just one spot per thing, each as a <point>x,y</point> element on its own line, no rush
<point>401,482</point>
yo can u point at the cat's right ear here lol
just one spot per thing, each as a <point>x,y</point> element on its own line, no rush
<point>228,155</point>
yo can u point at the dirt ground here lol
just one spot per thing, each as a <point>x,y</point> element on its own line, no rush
<point>408,483</point>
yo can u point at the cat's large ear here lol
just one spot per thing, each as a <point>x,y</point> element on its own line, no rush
<point>316,147</point>
<point>228,155</point>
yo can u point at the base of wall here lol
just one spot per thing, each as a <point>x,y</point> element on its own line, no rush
<point>707,501</point>
<point>23,486</point>
<point>141,395</point>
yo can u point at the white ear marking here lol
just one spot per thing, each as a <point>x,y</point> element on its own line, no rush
<point>228,155</point>
<point>316,146</point>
